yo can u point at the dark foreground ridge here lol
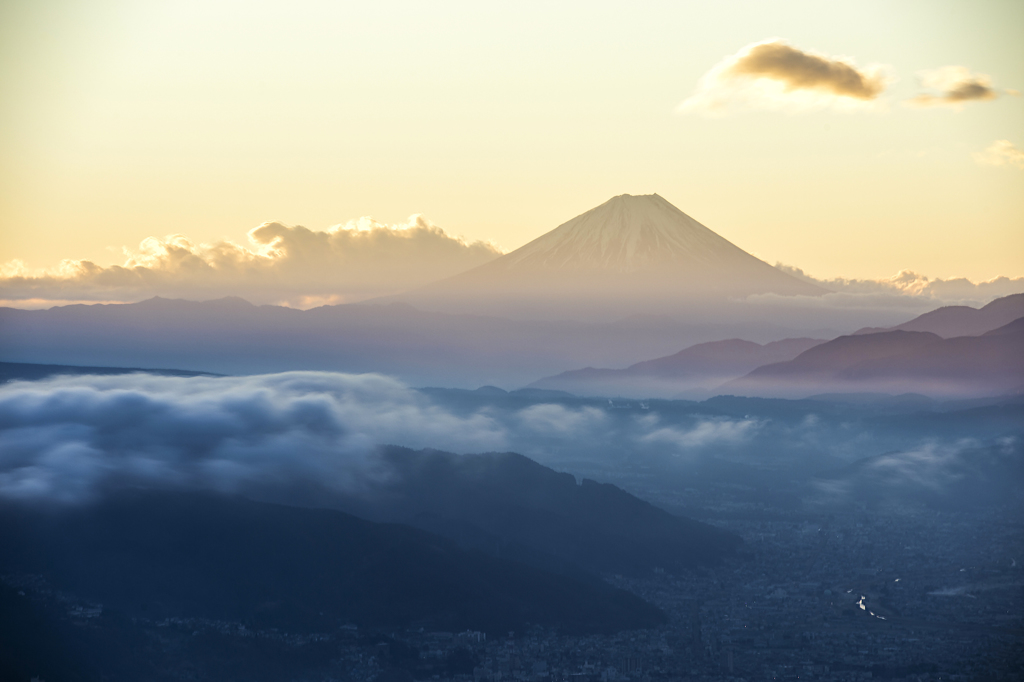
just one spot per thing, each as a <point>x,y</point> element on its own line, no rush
<point>169,555</point>
<point>508,505</point>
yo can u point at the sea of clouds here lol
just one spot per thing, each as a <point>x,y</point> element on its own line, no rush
<point>72,439</point>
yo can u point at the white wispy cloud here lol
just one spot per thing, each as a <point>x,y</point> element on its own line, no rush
<point>907,289</point>
<point>280,264</point>
<point>775,75</point>
<point>1001,153</point>
<point>705,433</point>
<point>553,419</point>
<point>961,470</point>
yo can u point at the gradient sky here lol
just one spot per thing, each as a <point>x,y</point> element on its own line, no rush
<point>123,120</point>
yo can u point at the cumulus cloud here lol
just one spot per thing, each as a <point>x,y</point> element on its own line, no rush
<point>281,264</point>
<point>953,86</point>
<point>773,74</point>
<point>1001,153</point>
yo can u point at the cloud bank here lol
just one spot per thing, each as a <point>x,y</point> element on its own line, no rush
<point>775,75</point>
<point>300,436</point>
<point>71,439</point>
<point>285,264</point>
<point>955,86</point>
<point>68,439</point>
<point>1001,153</point>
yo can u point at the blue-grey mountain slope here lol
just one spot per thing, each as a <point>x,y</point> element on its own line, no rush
<point>692,372</point>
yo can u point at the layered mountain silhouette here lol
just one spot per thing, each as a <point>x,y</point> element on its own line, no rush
<point>961,320</point>
<point>871,359</point>
<point>691,372</point>
<point>510,506</point>
<point>630,253</point>
<point>898,362</point>
<point>232,336</point>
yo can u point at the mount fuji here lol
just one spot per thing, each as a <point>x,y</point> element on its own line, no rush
<point>630,254</point>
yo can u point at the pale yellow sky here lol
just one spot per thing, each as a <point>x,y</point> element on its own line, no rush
<point>124,120</point>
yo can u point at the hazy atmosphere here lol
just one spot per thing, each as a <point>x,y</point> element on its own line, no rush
<point>603,342</point>
<point>872,137</point>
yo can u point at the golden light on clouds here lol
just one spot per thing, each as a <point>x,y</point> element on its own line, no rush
<point>282,264</point>
<point>128,120</point>
<point>773,74</point>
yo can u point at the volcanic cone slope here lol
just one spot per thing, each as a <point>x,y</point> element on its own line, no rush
<point>631,252</point>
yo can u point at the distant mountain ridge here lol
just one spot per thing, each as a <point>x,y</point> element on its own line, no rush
<point>914,356</point>
<point>898,362</point>
<point>698,368</point>
<point>232,336</point>
<point>961,320</point>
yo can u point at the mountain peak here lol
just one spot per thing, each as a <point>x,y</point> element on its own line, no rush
<point>635,196</point>
<point>627,234</point>
<point>629,254</point>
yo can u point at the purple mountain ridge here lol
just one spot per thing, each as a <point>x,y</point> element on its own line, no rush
<point>898,362</point>
<point>692,372</point>
<point>960,320</point>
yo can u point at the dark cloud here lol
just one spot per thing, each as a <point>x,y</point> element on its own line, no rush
<point>956,85</point>
<point>970,91</point>
<point>798,70</point>
<point>773,74</point>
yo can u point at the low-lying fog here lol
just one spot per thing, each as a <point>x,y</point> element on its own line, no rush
<point>68,439</point>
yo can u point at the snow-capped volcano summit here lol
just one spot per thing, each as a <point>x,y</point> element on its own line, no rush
<point>625,234</point>
<point>632,253</point>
